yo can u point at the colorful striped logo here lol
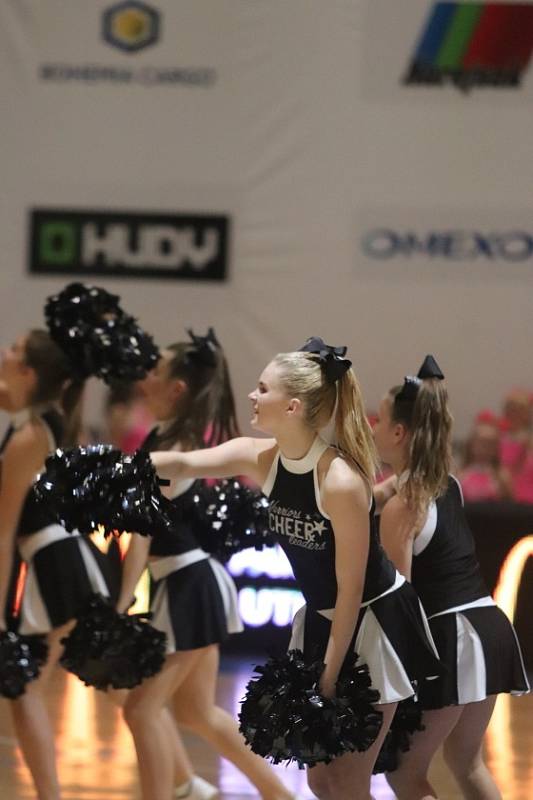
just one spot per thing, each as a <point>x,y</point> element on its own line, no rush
<point>473,44</point>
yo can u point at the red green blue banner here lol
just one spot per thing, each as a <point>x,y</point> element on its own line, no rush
<point>469,44</point>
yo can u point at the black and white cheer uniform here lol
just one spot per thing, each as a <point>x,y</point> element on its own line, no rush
<point>392,636</point>
<point>475,640</point>
<point>63,569</point>
<point>193,599</point>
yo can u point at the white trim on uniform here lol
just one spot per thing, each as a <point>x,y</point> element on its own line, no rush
<point>299,466</point>
<point>399,580</point>
<point>271,477</point>
<point>426,534</point>
<point>318,499</point>
<point>28,546</point>
<point>230,599</point>
<point>161,567</point>
<point>459,487</point>
<point>471,667</point>
<point>479,603</point>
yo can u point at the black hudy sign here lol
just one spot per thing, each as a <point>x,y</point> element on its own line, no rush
<point>183,246</point>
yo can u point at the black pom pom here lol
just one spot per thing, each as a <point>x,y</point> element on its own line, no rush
<point>21,659</point>
<point>407,720</point>
<point>107,649</point>
<point>284,718</point>
<point>87,487</point>
<point>228,517</point>
<point>97,336</point>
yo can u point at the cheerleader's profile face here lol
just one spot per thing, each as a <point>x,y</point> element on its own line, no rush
<point>160,390</point>
<point>14,371</point>
<point>390,437</point>
<point>269,402</point>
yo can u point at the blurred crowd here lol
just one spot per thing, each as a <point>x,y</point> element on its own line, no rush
<point>497,458</point>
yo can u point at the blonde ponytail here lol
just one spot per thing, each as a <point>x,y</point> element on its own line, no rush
<point>430,423</point>
<point>353,431</point>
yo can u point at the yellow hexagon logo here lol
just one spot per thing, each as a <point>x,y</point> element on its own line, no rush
<point>131,26</point>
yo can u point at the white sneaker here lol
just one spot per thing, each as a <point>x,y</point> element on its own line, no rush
<point>197,789</point>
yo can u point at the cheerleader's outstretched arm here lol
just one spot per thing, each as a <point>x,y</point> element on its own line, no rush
<point>241,456</point>
<point>345,498</point>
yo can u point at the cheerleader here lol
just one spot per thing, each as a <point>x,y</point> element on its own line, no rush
<point>321,514</point>
<point>194,599</point>
<point>39,391</point>
<point>425,532</point>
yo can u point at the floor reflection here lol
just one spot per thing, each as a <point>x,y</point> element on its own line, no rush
<point>97,758</point>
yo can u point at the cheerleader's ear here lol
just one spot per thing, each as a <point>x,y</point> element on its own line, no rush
<point>294,407</point>
<point>400,432</point>
<point>177,388</point>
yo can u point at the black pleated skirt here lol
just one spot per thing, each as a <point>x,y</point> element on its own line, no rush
<point>392,637</point>
<point>479,648</point>
<point>60,578</point>
<point>195,606</point>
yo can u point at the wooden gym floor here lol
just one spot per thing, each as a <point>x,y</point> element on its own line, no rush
<point>97,759</point>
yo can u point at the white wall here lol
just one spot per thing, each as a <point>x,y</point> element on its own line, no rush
<point>309,140</point>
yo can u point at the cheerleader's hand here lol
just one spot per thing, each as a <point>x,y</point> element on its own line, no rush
<point>327,686</point>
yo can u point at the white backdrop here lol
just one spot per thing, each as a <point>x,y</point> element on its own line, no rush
<point>303,132</point>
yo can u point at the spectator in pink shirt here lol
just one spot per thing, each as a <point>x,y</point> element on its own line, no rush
<point>483,478</point>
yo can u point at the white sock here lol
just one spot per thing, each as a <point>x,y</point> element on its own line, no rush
<point>184,789</point>
<point>196,788</point>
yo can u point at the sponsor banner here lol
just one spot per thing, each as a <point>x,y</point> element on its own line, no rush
<point>461,244</point>
<point>449,49</point>
<point>128,43</point>
<point>475,239</point>
<point>140,244</point>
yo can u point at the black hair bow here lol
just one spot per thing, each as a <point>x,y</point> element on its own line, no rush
<point>411,384</point>
<point>204,347</point>
<point>430,369</point>
<point>332,358</point>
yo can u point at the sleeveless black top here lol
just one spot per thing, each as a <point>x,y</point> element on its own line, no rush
<point>181,539</point>
<point>445,570</point>
<point>304,532</point>
<point>34,515</point>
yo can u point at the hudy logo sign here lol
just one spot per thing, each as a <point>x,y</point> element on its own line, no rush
<point>473,44</point>
<point>140,244</point>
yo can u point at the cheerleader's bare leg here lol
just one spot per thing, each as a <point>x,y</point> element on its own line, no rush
<point>33,725</point>
<point>145,713</point>
<point>195,708</point>
<point>463,752</point>
<point>183,769</point>
<point>348,777</point>
<point>410,780</point>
